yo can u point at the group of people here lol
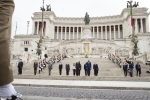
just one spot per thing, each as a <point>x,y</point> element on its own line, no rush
<point>128,67</point>
<point>77,68</point>
<point>42,65</point>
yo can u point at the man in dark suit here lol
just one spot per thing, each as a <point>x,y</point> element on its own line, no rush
<point>78,68</point>
<point>35,66</point>
<point>20,66</point>
<point>85,69</point>
<point>96,69</point>
<point>138,69</point>
<point>88,64</point>
<point>60,68</point>
<point>125,68</point>
<point>67,69</point>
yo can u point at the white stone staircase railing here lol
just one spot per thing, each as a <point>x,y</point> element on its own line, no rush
<point>143,58</point>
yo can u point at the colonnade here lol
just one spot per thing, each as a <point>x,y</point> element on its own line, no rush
<point>98,32</point>
<point>108,32</point>
<point>37,27</point>
<point>68,33</point>
<point>141,25</point>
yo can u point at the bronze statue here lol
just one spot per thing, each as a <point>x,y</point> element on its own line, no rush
<point>129,4</point>
<point>136,4</point>
<point>86,19</point>
<point>42,8</point>
<point>38,44</point>
<point>48,7</point>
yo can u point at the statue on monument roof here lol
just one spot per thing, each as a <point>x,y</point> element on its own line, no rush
<point>129,3</point>
<point>87,19</point>
<point>48,7</point>
<point>42,8</point>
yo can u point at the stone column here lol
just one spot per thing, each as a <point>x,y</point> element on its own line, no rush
<point>57,31</point>
<point>69,33</point>
<point>97,33</point>
<point>81,33</point>
<point>102,32</point>
<point>65,33</point>
<point>147,24</point>
<point>37,32</point>
<point>114,32</point>
<point>106,32</point>
<point>136,27</point>
<point>141,25</point>
<point>118,31</point>
<point>110,32</point>
<point>77,32</point>
<point>93,33</point>
<point>33,27</point>
<point>61,33</point>
<point>73,32</point>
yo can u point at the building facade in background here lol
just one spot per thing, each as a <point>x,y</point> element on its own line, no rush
<point>70,35</point>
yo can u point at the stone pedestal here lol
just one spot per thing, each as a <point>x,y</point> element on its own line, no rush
<point>87,32</point>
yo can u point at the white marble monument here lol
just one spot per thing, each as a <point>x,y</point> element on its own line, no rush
<point>102,35</point>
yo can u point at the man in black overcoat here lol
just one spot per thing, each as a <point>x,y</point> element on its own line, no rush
<point>78,68</point>
<point>67,69</point>
<point>85,69</point>
<point>20,66</point>
<point>60,68</point>
<point>35,66</point>
<point>96,69</point>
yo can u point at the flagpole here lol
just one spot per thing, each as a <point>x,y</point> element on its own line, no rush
<point>42,20</point>
<point>16,29</point>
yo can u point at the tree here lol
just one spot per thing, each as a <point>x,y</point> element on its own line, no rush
<point>39,52</point>
<point>134,40</point>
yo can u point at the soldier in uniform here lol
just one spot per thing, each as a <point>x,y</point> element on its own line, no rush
<point>6,73</point>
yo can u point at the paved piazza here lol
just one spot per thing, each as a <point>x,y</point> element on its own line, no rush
<point>83,94</point>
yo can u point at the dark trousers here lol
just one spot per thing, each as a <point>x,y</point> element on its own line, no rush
<point>138,72</point>
<point>74,72</point>
<point>60,71</point>
<point>49,71</point>
<point>35,70</point>
<point>77,72</point>
<point>20,70</point>
<point>88,72</point>
<point>125,72</point>
<point>85,72</point>
<point>95,72</point>
<point>67,71</point>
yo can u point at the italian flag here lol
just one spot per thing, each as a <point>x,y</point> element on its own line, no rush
<point>131,20</point>
<point>42,22</point>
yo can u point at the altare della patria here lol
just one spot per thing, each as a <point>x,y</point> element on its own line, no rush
<point>91,37</point>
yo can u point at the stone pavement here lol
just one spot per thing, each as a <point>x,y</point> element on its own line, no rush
<point>83,84</point>
<point>108,71</point>
<point>53,93</point>
<point>51,98</point>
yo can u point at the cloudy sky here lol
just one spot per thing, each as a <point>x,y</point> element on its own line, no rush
<point>67,8</point>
